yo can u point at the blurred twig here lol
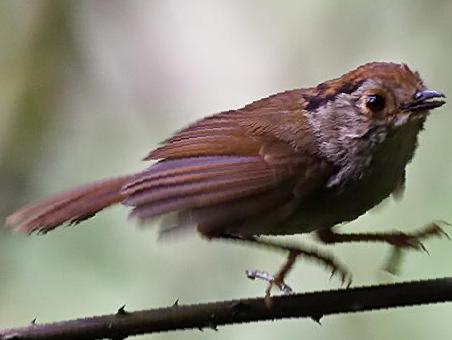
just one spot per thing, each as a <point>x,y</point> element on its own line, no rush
<point>211,315</point>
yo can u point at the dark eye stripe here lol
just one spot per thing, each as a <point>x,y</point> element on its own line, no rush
<point>322,96</point>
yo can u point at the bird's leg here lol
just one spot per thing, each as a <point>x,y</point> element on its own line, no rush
<point>278,279</point>
<point>394,238</point>
<point>294,252</point>
<point>399,240</point>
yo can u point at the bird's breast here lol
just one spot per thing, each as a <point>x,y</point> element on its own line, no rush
<point>384,174</point>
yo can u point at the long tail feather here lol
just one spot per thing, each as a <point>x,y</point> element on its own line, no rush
<point>68,207</point>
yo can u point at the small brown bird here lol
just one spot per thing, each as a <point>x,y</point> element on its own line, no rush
<point>299,161</point>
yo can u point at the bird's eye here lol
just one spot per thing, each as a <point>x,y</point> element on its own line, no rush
<point>375,102</point>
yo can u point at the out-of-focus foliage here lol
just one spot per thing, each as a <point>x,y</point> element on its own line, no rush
<point>88,87</point>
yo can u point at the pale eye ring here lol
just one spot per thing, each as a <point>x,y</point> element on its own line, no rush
<point>375,102</point>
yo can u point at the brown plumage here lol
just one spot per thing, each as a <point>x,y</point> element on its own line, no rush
<point>72,206</point>
<point>294,162</point>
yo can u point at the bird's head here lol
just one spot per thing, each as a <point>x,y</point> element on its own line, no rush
<point>377,108</point>
<point>375,94</point>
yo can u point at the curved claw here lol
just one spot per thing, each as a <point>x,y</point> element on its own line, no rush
<point>437,230</point>
<point>286,289</point>
<point>423,248</point>
<point>432,230</point>
<point>333,272</point>
<point>346,277</point>
<point>443,233</point>
<point>349,283</point>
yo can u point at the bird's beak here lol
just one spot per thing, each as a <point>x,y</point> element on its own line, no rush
<point>422,101</point>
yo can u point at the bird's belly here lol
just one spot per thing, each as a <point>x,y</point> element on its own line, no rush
<point>333,207</point>
<point>328,207</point>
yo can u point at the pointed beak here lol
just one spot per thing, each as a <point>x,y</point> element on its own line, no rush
<point>425,100</point>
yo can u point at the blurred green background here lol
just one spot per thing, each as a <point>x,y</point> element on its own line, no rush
<point>87,88</point>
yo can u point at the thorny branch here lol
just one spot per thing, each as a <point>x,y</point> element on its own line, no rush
<point>211,315</point>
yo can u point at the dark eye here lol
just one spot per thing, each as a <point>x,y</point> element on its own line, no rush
<point>375,102</point>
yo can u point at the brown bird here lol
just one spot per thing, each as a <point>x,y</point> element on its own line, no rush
<point>299,161</point>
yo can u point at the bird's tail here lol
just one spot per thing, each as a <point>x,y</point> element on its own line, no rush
<point>68,207</point>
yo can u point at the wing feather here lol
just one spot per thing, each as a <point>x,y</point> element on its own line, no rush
<point>201,181</point>
<point>231,169</point>
<point>221,134</point>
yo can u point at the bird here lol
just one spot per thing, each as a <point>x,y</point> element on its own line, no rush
<point>297,162</point>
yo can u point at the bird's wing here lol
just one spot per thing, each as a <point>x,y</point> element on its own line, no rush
<point>220,134</point>
<point>224,170</point>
